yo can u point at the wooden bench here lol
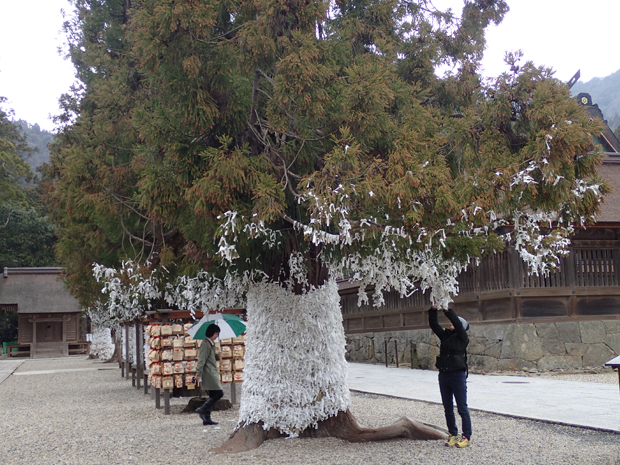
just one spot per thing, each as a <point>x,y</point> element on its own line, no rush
<point>79,348</point>
<point>21,350</point>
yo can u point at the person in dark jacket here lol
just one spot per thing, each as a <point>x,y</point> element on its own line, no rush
<point>452,366</point>
<point>208,374</point>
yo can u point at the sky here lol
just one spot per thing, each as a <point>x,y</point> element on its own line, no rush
<point>566,35</point>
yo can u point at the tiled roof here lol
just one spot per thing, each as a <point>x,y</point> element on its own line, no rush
<point>610,209</point>
<point>36,290</point>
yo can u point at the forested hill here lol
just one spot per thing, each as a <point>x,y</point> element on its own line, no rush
<point>38,138</point>
<point>605,93</point>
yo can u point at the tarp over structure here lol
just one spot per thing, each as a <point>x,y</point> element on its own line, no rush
<point>48,316</point>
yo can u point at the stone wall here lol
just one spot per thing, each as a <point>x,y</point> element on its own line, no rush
<point>493,348</point>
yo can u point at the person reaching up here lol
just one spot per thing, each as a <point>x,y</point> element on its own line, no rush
<point>453,371</point>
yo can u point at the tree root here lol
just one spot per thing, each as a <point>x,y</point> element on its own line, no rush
<point>246,438</point>
<point>343,426</point>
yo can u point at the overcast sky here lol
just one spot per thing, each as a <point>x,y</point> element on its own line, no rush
<point>565,35</point>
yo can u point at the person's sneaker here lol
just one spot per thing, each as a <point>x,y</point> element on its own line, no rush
<point>464,442</point>
<point>452,440</point>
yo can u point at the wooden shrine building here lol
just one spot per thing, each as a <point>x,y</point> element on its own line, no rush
<point>49,323</point>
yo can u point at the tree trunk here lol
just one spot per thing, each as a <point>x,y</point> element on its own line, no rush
<point>342,426</point>
<point>296,373</point>
<point>116,357</point>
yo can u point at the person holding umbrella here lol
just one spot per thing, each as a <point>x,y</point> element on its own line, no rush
<point>452,366</point>
<point>208,374</point>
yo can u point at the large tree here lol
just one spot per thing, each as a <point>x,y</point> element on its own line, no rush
<point>281,145</point>
<point>26,237</point>
<point>14,171</point>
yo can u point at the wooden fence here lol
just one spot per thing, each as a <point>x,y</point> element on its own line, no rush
<point>500,290</point>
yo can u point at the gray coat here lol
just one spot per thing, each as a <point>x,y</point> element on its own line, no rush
<point>207,368</point>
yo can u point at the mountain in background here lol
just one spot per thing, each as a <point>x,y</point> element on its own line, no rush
<point>605,93</point>
<point>37,138</point>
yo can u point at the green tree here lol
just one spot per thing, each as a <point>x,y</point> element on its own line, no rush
<point>13,169</point>
<point>91,176</point>
<point>38,139</point>
<point>8,326</point>
<point>26,237</point>
<point>301,141</point>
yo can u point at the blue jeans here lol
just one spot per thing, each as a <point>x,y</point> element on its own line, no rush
<point>454,384</point>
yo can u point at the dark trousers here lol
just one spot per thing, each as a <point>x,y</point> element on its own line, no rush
<point>454,384</point>
<point>214,396</point>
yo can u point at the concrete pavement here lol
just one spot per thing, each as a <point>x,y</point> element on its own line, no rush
<point>7,367</point>
<point>589,405</point>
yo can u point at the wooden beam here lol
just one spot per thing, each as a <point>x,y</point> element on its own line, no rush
<point>33,345</point>
<point>139,352</point>
<point>127,364</point>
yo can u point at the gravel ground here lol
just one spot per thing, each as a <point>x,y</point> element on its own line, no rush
<point>93,416</point>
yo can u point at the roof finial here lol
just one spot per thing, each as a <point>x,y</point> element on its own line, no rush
<point>574,79</point>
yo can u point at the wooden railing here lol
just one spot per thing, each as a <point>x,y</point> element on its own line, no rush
<point>79,348</point>
<point>500,289</point>
<point>18,350</point>
<point>596,267</point>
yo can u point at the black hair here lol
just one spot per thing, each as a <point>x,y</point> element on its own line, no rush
<point>212,329</point>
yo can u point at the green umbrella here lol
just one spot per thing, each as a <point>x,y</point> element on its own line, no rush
<point>230,325</point>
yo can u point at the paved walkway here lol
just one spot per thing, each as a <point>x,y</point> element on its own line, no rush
<point>7,367</point>
<point>590,405</point>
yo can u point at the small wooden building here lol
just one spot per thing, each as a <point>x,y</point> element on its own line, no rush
<point>48,316</point>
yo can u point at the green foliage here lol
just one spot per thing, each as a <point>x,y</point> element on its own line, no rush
<point>26,237</point>
<point>14,171</point>
<point>8,326</point>
<point>38,139</point>
<point>279,109</point>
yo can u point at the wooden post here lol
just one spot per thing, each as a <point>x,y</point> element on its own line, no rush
<point>396,352</point>
<point>233,392</point>
<point>145,378</point>
<point>127,364</point>
<point>615,279</point>
<point>133,365</point>
<point>516,280</point>
<point>386,360</point>
<point>570,265</point>
<point>167,401</point>
<point>65,345</point>
<point>117,346</point>
<point>138,354</point>
<point>157,398</point>
<point>33,346</point>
